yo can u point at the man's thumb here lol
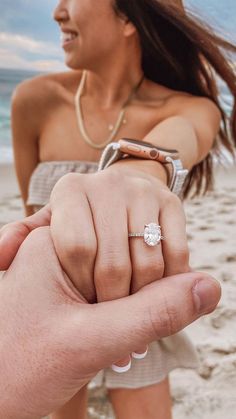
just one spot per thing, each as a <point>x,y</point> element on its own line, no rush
<point>118,327</point>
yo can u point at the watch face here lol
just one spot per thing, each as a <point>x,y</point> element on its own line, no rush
<point>139,142</point>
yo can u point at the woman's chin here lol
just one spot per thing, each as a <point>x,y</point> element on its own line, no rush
<point>72,64</point>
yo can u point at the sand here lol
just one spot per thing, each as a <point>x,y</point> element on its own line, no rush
<point>209,392</point>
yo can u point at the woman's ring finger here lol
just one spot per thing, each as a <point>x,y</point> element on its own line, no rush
<point>152,234</point>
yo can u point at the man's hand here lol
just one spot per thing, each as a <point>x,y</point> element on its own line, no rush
<point>53,342</point>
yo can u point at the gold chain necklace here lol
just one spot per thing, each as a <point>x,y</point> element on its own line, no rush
<point>120,120</point>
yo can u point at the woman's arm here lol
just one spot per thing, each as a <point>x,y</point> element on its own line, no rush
<point>25,134</point>
<point>92,215</point>
<point>191,130</point>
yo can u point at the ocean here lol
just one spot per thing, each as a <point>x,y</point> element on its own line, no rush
<point>9,79</point>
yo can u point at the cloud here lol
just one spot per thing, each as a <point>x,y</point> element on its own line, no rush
<point>24,52</point>
<point>25,43</point>
<point>10,59</point>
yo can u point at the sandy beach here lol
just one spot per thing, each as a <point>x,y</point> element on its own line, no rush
<point>209,392</point>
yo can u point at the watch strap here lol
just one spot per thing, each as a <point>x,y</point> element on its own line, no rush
<point>177,177</point>
<point>177,174</point>
<point>110,155</point>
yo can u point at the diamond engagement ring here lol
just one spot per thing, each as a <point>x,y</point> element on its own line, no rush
<point>152,234</point>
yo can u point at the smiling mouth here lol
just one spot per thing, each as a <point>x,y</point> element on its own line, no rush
<point>68,37</point>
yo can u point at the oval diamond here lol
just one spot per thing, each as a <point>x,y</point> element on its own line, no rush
<point>152,234</point>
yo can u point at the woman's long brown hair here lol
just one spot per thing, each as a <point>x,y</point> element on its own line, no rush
<point>182,53</point>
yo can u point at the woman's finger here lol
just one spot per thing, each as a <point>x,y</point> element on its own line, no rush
<point>147,261</point>
<point>174,245</point>
<point>112,271</point>
<point>73,233</point>
<point>12,235</point>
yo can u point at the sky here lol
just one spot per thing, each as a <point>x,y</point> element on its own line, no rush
<point>29,39</point>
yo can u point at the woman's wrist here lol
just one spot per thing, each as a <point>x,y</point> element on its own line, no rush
<point>153,168</point>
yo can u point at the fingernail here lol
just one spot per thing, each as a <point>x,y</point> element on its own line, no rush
<point>206,294</point>
<point>118,369</point>
<point>137,355</point>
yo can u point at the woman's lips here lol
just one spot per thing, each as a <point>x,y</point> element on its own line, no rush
<point>67,38</point>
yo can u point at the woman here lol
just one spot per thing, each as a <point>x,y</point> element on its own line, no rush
<point>140,69</point>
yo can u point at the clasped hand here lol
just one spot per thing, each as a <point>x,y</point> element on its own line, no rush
<point>53,342</point>
<point>91,216</point>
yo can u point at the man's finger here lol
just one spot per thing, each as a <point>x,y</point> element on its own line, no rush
<point>158,310</point>
<point>12,235</point>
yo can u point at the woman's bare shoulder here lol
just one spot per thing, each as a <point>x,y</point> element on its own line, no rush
<point>159,93</point>
<point>45,88</point>
<point>175,99</point>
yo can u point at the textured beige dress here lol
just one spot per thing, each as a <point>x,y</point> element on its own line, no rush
<point>163,355</point>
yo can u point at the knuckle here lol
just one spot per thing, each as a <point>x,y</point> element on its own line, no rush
<point>145,185</point>
<point>171,199</point>
<point>158,270</point>
<point>180,256</point>
<point>181,253</point>
<point>153,269</point>
<point>112,179</point>
<point>177,261</point>
<point>68,182</point>
<point>113,273</point>
<point>74,250</point>
<point>140,187</point>
<point>165,318</point>
<point>19,228</point>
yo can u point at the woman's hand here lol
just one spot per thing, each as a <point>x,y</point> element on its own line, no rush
<point>91,218</point>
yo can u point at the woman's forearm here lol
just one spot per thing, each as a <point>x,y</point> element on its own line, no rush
<point>192,134</point>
